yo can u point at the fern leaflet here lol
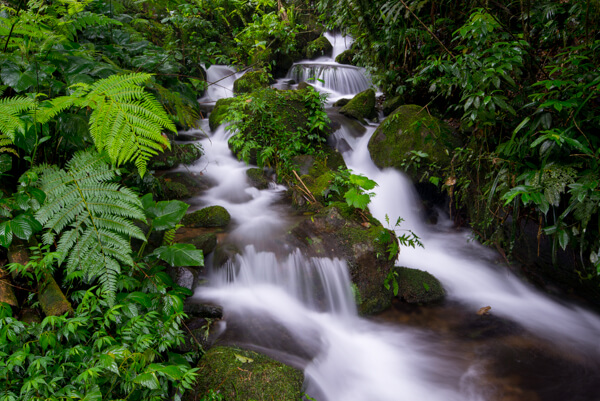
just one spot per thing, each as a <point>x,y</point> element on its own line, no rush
<point>92,217</point>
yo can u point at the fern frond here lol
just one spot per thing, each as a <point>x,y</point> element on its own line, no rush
<point>92,217</point>
<point>127,121</point>
<point>10,110</point>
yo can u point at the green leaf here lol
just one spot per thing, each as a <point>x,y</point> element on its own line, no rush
<point>6,234</point>
<point>563,238</point>
<point>243,359</point>
<point>166,214</point>
<point>5,163</point>
<point>180,255</point>
<point>148,380</point>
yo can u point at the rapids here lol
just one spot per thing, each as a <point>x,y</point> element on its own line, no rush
<point>536,348</point>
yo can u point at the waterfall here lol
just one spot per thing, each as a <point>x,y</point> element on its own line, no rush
<point>300,309</point>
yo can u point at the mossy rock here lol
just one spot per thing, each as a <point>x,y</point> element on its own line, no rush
<point>361,106</point>
<point>304,85</point>
<point>219,112</point>
<point>173,190</point>
<point>179,154</point>
<point>241,375</point>
<point>411,128</point>
<point>52,300</point>
<point>257,178</point>
<point>211,216</point>
<point>206,242</point>
<point>341,102</point>
<point>251,81</point>
<point>318,47</point>
<point>7,295</point>
<point>389,105</point>
<point>346,57</point>
<point>418,286</point>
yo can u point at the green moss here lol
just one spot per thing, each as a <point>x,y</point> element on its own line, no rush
<point>52,300</point>
<point>179,154</point>
<point>318,47</point>
<point>251,81</point>
<point>389,105</point>
<point>410,128</point>
<point>212,216</point>
<point>206,242</point>
<point>7,294</point>
<point>241,375</point>
<point>361,106</point>
<point>346,57</point>
<point>218,114</point>
<point>304,85</point>
<point>418,287</point>
<point>342,102</point>
<point>173,190</point>
<point>257,178</point>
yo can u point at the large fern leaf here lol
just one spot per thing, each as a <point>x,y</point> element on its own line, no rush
<point>127,121</point>
<point>92,217</point>
<point>10,111</point>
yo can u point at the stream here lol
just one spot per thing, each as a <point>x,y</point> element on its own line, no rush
<point>532,346</point>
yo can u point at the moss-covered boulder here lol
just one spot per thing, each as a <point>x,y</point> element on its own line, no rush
<point>219,112</point>
<point>418,286</point>
<point>251,81</point>
<point>52,299</point>
<point>411,128</point>
<point>304,85</point>
<point>7,295</point>
<point>318,47</point>
<point>241,375</point>
<point>211,216</point>
<point>341,102</point>
<point>346,57</point>
<point>207,242</point>
<point>361,106</point>
<point>171,190</point>
<point>391,104</point>
<point>257,178</point>
<point>178,154</point>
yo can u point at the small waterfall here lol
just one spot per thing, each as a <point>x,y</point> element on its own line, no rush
<point>340,43</point>
<point>334,78</point>
<point>220,79</point>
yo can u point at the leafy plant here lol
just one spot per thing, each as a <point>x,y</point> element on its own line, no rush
<point>351,187</point>
<point>92,218</point>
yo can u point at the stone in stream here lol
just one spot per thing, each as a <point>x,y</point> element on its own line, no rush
<point>318,47</point>
<point>251,81</point>
<point>418,287</point>
<point>219,112</point>
<point>361,106</point>
<point>211,216</point>
<point>178,154</point>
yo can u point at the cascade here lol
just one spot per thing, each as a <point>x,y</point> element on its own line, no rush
<point>301,311</point>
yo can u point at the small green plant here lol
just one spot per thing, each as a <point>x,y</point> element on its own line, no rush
<point>351,187</point>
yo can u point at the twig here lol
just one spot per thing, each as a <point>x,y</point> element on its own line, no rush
<point>305,189</point>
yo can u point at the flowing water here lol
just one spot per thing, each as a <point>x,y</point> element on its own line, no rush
<point>301,311</point>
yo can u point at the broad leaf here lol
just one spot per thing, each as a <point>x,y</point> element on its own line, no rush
<point>166,214</point>
<point>180,255</point>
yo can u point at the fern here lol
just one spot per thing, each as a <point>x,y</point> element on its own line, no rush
<point>127,122</point>
<point>92,216</point>
<point>10,111</point>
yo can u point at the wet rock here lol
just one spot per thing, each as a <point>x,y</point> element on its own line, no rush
<point>361,106</point>
<point>7,295</point>
<point>318,47</point>
<point>257,178</point>
<point>240,374</point>
<point>186,277</point>
<point>179,154</point>
<point>251,81</point>
<point>52,300</point>
<point>304,85</point>
<point>207,242</point>
<point>194,184</point>
<point>342,102</point>
<point>418,286</point>
<point>207,311</point>
<point>212,216</point>
<point>346,57</point>
<point>389,105</point>
<point>171,190</point>
<point>411,128</point>
<point>225,253</point>
<point>219,112</point>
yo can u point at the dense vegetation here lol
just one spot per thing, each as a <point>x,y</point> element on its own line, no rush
<point>519,81</point>
<point>89,90</point>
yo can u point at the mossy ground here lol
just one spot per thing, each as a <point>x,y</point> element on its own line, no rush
<point>318,47</point>
<point>242,375</point>
<point>251,81</point>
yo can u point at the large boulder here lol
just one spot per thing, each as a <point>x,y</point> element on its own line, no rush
<point>211,216</point>
<point>418,286</point>
<point>318,47</point>
<point>242,375</point>
<point>391,104</point>
<point>361,106</point>
<point>251,81</point>
<point>346,57</point>
<point>412,129</point>
<point>219,112</point>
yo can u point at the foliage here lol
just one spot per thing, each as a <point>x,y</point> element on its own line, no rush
<point>91,215</point>
<point>273,126</point>
<point>351,187</point>
<point>106,351</point>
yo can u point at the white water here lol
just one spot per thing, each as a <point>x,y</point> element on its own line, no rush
<point>301,310</point>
